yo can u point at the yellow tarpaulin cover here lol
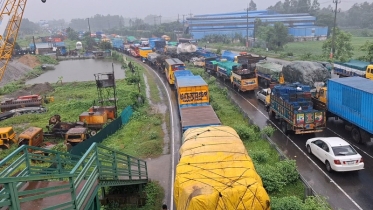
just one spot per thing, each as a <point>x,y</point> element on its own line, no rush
<point>215,172</point>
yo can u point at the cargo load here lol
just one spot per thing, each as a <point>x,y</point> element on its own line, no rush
<point>305,72</point>
<point>351,99</point>
<point>216,172</point>
<point>152,58</point>
<point>225,68</point>
<point>198,116</point>
<point>229,55</point>
<point>292,105</point>
<point>352,68</point>
<point>186,48</point>
<point>144,51</point>
<point>192,90</point>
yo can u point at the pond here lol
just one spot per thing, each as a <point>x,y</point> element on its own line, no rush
<point>78,71</point>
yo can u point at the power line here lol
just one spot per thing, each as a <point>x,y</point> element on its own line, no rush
<point>336,10</point>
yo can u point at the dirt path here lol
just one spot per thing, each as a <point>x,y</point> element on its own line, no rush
<point>159,168</point>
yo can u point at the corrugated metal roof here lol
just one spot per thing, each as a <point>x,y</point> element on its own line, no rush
<point>173,61</point>
<point>183,73</point>
<point>359,83</point>
<point>190,81</point>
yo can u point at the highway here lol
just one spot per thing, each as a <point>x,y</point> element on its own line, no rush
<point>348,190</point>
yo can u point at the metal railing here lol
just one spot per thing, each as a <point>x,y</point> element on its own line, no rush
<point>69,181</point>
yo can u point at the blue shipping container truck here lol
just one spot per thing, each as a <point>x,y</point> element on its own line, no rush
<point>192,115</point>
<point>229,55</point>
<point>351,99</point>
<point>118,44</point>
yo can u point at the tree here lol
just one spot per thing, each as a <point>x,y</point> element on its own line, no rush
<point>276,36</point>
<point>343,46</point>
<point>368,48</point>
<point>252,6</point>
<point>105,45</point>
<point>72,34</point>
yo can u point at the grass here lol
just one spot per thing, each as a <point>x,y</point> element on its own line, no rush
<point>299,49</point>
<point>133,139</point>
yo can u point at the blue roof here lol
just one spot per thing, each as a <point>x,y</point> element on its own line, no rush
<point>359,83</point>
<point>182,73</point>
<point>190,81</point>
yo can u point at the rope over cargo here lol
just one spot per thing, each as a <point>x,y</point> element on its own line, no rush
<point>215,172</point>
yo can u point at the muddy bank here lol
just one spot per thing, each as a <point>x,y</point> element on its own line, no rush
<point>37,89</point>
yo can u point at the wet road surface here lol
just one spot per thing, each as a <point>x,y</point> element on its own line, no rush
<point>346,190</point>
<point>176,133</point>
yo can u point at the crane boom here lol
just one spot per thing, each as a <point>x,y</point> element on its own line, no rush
<point>14,9</point>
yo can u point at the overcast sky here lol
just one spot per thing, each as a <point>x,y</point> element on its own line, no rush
<point>68,9</point>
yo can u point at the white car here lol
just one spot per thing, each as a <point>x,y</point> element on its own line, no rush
<point>263,95</point>
<point>335,153</point>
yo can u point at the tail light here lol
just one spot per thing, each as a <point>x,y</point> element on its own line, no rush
<point>337,162</point>
<point>361,160</point>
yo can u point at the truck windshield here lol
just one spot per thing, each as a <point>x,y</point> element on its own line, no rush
<point>23,141</point>
<point>74,137</point>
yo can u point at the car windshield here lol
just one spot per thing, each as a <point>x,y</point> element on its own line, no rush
<point>344,150</point>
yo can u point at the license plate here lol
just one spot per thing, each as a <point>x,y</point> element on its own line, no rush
<point>350,162</point>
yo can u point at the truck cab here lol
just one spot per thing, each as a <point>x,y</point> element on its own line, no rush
<point>32,136</point>
<point>76,135</point>
<point>369,72</point>
<point>7,137</point>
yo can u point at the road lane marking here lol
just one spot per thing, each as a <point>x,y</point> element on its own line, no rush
<point>331,180</point>
<point>351,143</point>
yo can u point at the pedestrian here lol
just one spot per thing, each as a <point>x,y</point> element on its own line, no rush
<point>164,207</point>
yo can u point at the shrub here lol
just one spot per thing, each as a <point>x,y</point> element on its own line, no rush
<point>259,156</point>
<point>268,130</point>
<point>288,170</point>
<point>287,203</point>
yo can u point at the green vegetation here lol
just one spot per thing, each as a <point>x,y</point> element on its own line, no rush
<point>280,177</point>
<point>307,50</point>
<point>152,192</point>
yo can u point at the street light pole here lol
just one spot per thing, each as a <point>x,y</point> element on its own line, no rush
<point>247,27</point>
<point>336,2</point>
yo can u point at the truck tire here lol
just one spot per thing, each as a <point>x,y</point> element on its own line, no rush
<point>355,133</point>
<point>284,127</point>
<point>93,132</point>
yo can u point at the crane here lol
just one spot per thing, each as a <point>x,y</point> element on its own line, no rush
<point>11,18</point>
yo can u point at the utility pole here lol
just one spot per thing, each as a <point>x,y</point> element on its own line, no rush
<point>247,27</point>
<point>336,10</point>
<point>183,23</point>
<point>89,28</point>
<point>190,15</point>
<point>160,16</point>
<point>155,18</point>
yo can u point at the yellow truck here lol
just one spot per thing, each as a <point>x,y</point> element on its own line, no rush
<point>95,121</point>
<point>244,80</point>
<point>354,68</point>
<point>191,89</point>
<point>172,65</point>
<point>7,137</point>
<point>143,52</point>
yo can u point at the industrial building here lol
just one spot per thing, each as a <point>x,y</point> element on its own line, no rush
<point>301,26</point>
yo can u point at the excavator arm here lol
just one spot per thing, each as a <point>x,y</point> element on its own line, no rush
<point>13,11</point>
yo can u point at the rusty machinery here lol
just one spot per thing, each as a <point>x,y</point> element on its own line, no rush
<point>107,95</point>
<point>57,128</point>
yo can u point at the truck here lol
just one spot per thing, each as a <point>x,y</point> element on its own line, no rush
<point>291,105</point>
<point>354,68</point>
<point>193,101</point>
<point>95,121</point>
<point>143,52</point>
<point>111,111</point>
<point>216,172</point>
<point>230,56</point>
<point>13,103</point>
<point>211,65</point>
<point>245,78</point>
<point>118,44</point>
<point>348,99</point>
<point>269,74</point>
<point>34,136</point>
<point>225,68</point>
<point>152,58</point>
<point>76,135</point>
<point>7,137</point>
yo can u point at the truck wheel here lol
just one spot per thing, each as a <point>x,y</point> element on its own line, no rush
<point>93,132</point>
<point>355,133</point>
<point>284,127</point>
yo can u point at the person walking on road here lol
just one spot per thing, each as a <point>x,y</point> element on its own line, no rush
<point>164,207</point>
